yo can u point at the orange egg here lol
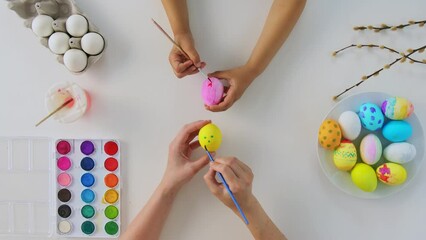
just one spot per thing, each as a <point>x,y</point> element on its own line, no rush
<point>329,134</point>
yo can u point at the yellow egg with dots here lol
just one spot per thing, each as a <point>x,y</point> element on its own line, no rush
<point>210,137</point>
<point>329,134</point>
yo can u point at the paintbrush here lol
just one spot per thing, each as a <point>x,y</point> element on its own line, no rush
<point>228,189</point>
<point>179,47</point>
<point>55,111</point>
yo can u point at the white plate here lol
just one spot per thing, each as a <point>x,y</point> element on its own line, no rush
<point>342,179</point>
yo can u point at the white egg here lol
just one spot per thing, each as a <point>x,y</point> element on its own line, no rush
<point>350,124</point>
<point>75,60</point>
<point>402,152</point>
<point>42,25</point>
<point>58,42</point>
<point>92,43</point>
<point>77,25</point>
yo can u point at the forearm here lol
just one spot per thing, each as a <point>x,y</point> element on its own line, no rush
<point>260,225</point>
<point>177,12</point>
<point>279,23</point>
<point>150,220</point>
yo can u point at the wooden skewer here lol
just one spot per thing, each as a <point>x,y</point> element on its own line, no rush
<point>55,111</point>
<point>177,45</point>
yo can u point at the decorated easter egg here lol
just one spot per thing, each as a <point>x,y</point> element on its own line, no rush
<point>329,134</point>
<point>400,152</point>
<point>42,25</point>
<point>92,43</point>
<point>345,156</point>
<point>350,124</point>
<point>397,108</point>
<point>58,42</point>
<point>77,25</point>
<point>364,177</point>
<point>212,91</point>
<point>210,137</point>
<point>370,149</point>
<point>75,60</point>
<point>391,174</point>
<point>397,131</point>
<point>371,116</point>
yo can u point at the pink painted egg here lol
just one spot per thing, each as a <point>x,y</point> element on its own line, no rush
<point>212,91</point>
<point>370,149</point>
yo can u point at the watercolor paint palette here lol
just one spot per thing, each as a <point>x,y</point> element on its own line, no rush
<point>70,187</point>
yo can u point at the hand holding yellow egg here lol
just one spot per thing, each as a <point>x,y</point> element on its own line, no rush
<point>210,137</point>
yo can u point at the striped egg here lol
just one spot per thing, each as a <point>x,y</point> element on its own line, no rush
<point>370,149</point>
<point>391,174</point>
<point>329,134</point>
<point>397,108</point>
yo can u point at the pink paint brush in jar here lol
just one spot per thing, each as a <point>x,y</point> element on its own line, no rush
<point>77,98</point>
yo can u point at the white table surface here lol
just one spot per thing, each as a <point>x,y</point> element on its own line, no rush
<point>273,127</point>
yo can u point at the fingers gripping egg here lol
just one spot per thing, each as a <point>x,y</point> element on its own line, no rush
<point>212,91</point>
<point>210,137</point>
<point>329,134</point>
<point>391,174</point>
<point>345,156</point>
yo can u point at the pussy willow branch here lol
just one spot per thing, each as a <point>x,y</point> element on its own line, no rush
<point>401,59</point>
<point>412,60</point>
<point>384,26</point>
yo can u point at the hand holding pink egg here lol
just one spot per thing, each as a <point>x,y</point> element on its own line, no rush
<point>212,91</point>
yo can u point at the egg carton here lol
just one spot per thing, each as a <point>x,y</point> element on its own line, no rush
<point>59,10</point>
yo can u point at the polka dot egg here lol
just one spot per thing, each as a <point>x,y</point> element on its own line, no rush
<point>371,116</point>
<point>210,137</point>
<point>329,134</point>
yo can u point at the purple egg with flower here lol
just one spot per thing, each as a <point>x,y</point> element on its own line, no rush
<point>371,116</point>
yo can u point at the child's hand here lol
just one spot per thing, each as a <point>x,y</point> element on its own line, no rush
<point>239,178</point>
<point>239,79</point>
<point>180,168</point>
<point>182,66</point>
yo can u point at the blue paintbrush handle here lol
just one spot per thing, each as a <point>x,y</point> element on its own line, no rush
<point>229,190</point>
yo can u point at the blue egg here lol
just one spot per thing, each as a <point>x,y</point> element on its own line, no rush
<point>397,131</point>
<point>371,116</point>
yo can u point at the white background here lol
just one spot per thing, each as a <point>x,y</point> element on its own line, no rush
<point>273,127</point>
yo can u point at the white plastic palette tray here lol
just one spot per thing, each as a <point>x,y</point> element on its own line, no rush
<point>31,165</point>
